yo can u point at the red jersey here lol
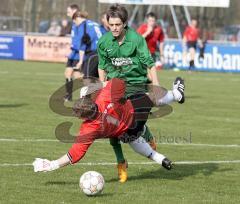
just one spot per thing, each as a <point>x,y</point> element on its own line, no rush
<point>153,38</point>
<point>191,34</point>
<point>114,119</point>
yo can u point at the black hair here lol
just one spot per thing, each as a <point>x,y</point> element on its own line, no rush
<point>151,14</point>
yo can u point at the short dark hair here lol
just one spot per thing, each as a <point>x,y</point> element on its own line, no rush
<point>151,14</point>
<point>84,107</point>
<point>74,6</point>
<point>117,11</point>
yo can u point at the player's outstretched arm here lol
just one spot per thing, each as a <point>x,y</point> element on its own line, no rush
<point>44,165</point>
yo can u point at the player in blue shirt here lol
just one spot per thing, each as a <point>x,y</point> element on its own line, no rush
<point>104,27</point>
<point>73,58</point>
<point>88,34</point>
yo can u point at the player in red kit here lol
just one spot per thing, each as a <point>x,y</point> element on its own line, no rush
<point>153,34</point>
<point>111,115</point>
<point>191,38</point>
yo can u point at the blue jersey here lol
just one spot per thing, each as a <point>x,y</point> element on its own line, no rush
<point>103,29</point>
<point>94,32</point>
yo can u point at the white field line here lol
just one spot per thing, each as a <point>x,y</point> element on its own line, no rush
<point>104,141</point>
<point>48,74</point>
<point>4,72</point>
<point>206,78</point>
<point>58,74</point>
<point>130,163</point>
<point>36,73</point>
<point>203,145</point>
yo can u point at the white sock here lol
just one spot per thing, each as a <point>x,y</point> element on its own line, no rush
<point>157,157</point>
<point>168,98</point>
<point>141,147</point>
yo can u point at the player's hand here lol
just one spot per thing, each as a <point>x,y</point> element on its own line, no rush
<point>149,30</point>
<point>41,165</point>
<point>162,59</point>
<point>44,165</point>
<point>78,65</point>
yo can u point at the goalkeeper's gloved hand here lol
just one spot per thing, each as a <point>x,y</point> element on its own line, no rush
<point>44,165</point>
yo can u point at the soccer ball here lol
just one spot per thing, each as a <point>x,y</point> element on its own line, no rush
<point>91,183</point>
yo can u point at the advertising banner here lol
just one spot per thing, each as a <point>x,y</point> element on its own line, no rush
<point>11,47</point>
<point>217,57</point>
<point>221,57</point>
<point>46,48</point>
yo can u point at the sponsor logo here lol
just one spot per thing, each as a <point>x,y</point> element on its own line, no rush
<point>121,61</point>
<point>215,58</point>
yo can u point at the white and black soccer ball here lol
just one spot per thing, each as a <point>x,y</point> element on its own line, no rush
<point>91,183</point>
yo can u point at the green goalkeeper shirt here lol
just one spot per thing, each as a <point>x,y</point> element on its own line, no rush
<point>128,61</point>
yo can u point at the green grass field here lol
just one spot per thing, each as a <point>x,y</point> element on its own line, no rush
<point>207,168</point>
